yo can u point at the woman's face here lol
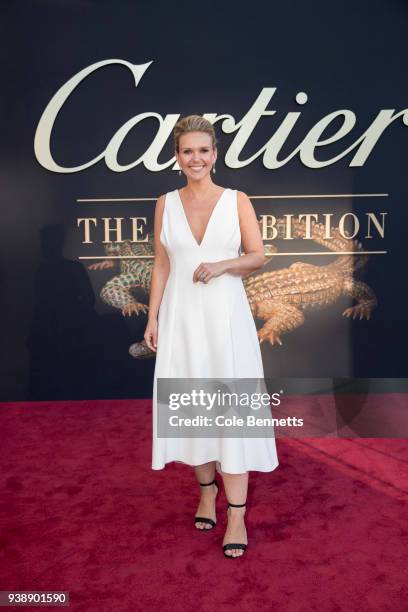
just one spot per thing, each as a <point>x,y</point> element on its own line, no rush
<point>196,155</point>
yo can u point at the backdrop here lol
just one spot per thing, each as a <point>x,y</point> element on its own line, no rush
<point>310,108</point>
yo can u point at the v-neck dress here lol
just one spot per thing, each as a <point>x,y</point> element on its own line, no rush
<point>206,330</point>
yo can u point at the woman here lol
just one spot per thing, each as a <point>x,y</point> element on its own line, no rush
<point>205,327</point>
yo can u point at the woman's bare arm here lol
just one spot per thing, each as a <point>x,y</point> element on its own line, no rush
<point>252,243</point>
<point>161,265</point>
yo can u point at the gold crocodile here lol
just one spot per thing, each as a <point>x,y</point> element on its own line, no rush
<point>278,297</point>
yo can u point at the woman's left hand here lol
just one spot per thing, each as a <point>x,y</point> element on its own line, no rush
<point>206,271</point>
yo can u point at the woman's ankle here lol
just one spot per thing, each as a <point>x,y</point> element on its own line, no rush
<point>236,511</point>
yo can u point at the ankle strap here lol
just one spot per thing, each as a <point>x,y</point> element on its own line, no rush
<point>207,484</point>
<point>236,505</point>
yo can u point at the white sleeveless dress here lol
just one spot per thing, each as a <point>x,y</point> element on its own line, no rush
<point>206,330</point>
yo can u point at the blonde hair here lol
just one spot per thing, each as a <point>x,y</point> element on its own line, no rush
<point>193,123</point>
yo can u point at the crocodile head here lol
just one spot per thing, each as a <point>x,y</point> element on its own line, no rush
<point>269,250</point>
<point>113,248</point>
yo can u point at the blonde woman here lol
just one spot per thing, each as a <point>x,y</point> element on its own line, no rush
<point>200,324</point>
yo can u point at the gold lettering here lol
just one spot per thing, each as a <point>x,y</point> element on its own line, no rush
<point>327,225</point>
<point>108,229</point>
<point>87,232</point>
<point>138,230</point>
<point>371,217</point>
<point>355,229</point>
<point>268,223</point>
<point>308,217</point>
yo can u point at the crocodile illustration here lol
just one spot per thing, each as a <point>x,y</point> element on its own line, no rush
<point>134,274</point>
<point>278,297</point>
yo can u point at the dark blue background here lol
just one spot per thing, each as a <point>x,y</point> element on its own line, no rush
<point>207,57</point>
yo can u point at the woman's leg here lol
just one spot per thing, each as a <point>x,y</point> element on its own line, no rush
<point>206,473</point>
<point>236,489</point>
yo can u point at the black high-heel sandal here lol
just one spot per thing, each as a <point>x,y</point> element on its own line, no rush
<point>233,546</point>
<point>204,519</point>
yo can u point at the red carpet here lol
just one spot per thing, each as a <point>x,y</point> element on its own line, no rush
<point>82,511</point>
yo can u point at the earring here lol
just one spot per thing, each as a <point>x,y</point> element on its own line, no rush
<point>214,169</point>
<point>179,172</point>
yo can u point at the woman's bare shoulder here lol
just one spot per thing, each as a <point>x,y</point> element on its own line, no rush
<point>160,201</point>
<point>244,203</point>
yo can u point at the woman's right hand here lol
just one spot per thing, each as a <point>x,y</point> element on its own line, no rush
<point>150,334</point>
